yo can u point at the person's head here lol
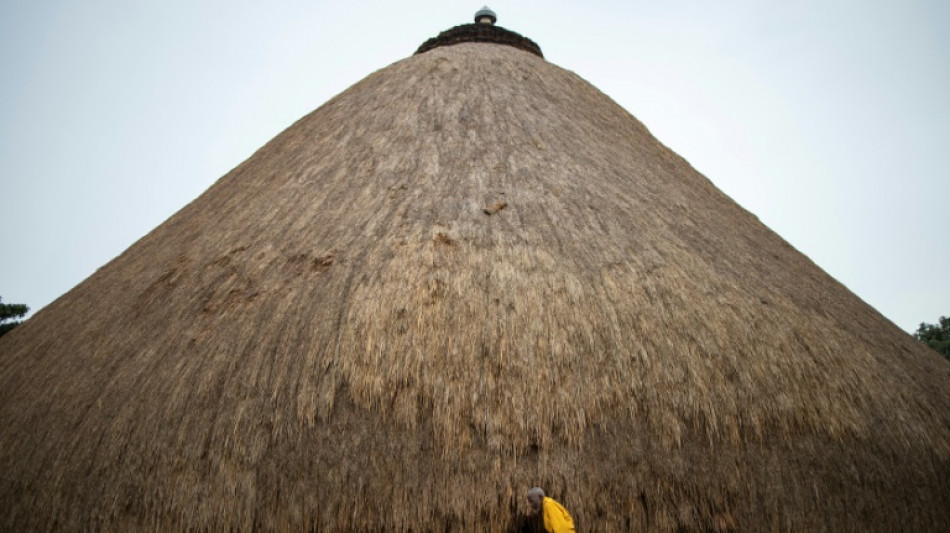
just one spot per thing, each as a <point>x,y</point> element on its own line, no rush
<point>535,498</point>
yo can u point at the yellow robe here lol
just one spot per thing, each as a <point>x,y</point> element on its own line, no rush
<point>556,518</point>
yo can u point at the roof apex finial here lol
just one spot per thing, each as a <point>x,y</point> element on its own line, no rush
<point>485,16</point>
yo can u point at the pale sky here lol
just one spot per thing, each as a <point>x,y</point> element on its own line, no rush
<point>829,120</point>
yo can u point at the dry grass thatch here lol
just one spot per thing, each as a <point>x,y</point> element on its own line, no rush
<point>335,336</point>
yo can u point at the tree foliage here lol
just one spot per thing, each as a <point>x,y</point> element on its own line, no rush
<point>937,336</point>
<point>9,315</point>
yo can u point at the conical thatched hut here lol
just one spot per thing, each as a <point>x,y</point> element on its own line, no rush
<point>468,274</point>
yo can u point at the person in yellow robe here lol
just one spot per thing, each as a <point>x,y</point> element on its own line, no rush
<point>556,517</point>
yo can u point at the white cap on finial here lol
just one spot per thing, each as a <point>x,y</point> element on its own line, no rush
<point>485,16</point>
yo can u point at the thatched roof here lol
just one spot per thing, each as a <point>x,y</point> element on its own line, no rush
<point>480,33</point>
<point>468,274</point>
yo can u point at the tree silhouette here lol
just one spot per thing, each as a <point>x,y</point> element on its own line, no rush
<point>937,336</point>
<point>9,313</point>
